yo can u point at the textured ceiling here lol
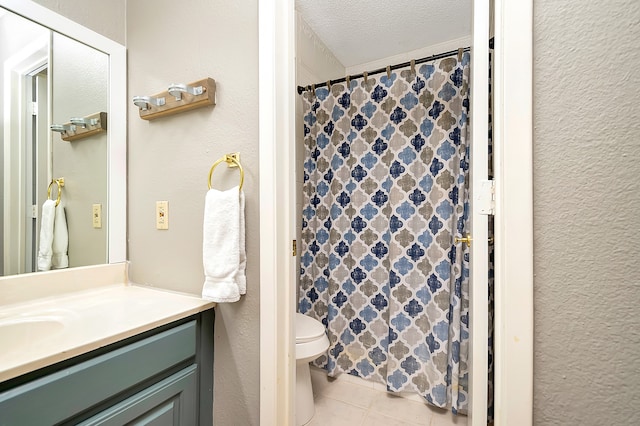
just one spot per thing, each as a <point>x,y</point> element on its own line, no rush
<point>360,31</point>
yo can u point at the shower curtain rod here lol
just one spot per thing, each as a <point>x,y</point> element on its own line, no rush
<point>392,67</point>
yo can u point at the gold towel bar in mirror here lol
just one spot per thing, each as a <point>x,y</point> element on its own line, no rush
<point>232,160</point>
<point>60,183</point>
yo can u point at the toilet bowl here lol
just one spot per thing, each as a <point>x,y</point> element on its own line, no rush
<point>311,342</point>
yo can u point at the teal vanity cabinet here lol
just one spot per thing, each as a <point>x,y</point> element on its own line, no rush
<point>160,377</point>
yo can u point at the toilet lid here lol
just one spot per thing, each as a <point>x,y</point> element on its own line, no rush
<point>307,328</point>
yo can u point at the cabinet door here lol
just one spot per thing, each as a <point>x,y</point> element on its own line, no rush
<point>171,402</point>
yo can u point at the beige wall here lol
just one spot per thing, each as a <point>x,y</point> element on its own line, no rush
<point>104,17</point>
<point>169,159</point>
<point>587,199</point>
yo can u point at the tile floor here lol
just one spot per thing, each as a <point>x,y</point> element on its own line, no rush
<point>351,401</point>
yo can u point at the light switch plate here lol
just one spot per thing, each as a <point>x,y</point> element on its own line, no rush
<point>162,215</point>
<point>96,215</point>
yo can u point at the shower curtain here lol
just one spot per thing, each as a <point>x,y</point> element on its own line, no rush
<point>385,193</point>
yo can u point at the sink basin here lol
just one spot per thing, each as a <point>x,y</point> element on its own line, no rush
<point>17,332</point>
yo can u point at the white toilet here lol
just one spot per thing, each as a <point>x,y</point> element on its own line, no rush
<point>311,342</point>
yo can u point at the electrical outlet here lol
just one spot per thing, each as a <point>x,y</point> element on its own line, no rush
<point>162,215</point>
<point>96,215</point>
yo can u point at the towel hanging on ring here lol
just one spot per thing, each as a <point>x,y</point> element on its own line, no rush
<point>223,248</point>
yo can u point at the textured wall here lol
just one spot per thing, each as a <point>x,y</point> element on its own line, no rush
<point>587,199</point>
<point>104,17</point>
<point>169,159</point>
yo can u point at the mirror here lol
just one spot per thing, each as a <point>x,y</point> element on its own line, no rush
<point>48,77</point>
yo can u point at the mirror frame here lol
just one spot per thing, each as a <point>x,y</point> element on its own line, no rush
<point>117,131</point>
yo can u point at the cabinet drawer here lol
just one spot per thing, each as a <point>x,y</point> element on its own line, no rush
<point>58,396</point>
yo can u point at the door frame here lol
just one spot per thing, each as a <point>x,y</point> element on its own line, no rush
<point>513,233</point>
<point>479,250</point>
<point>513,162</point>
<point>16,113</point>
<point>38,159</point>
<point>276,35</point>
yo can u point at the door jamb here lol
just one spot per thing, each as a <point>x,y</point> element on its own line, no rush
<point>513,167</point>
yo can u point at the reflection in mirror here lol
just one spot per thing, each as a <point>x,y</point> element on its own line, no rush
<point>49,78</point>
<point>79,88</point>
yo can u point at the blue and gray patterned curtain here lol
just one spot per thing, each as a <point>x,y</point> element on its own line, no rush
<point>385,193</point>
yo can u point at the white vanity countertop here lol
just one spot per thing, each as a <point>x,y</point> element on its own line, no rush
<point>41,332</point>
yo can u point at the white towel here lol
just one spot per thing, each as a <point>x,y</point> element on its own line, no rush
<point>241,277</point>
<point>221,245</point>
<point>46,235</point>
<point>60,245</point>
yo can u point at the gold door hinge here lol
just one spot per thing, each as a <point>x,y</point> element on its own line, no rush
<point>294,249</point>
<point>485,197</point>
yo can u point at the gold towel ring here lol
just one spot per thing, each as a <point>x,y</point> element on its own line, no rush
<point>60,183</point>
<point>232,161</point>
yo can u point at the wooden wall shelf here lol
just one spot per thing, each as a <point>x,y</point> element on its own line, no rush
<point>96,123</point>
<point>187,103</point>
